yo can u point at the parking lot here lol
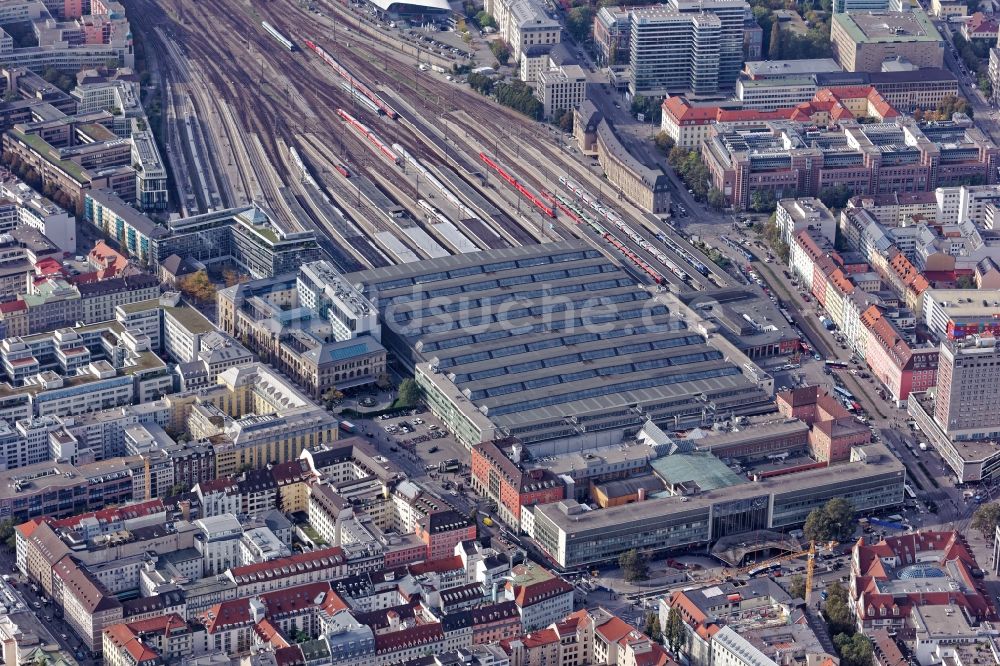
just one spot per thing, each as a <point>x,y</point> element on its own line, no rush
<point>419,443</point>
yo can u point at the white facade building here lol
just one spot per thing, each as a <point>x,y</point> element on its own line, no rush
<point>218,541</point>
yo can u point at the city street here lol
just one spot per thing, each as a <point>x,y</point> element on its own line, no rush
<point>46,613</point>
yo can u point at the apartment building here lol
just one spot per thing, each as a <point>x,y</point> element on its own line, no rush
<point>901,366</point>
<point>863,41</point>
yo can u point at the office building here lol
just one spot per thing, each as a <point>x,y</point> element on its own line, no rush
<point>959,417</point>
<point>845,6</point>
<point>496,380</point>
<point>964,400</point>
<point>243,236</point>
<point>523,24</point>
<point>863,41</point>
<point>945,9</point>
<point>649,188</point>
<point>680,520</point>
<point>670,51</point>
<point>314,325</point>
<point>689,124</point>
<point>612,27</point>
<point>787,157</point>
<point>561,88</point>
<point>39,213</point>
<point>955,314</point>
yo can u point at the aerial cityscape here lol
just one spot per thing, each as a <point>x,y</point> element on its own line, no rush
<point>502,333</point>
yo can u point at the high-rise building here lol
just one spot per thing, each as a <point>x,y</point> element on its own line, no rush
<point>674,52</point>
<point>732,19</point>
<point>686,46</point>
<point>968,374</point>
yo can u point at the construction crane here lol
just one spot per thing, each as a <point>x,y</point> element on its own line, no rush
<point>809,554</point>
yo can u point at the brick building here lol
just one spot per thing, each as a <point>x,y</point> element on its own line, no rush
<point>499,477</point>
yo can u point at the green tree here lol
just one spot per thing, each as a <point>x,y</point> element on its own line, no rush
<point>774,48</point>
<point>798,587</point>
<point>716,199</point>
<point>854,650</point>
<point>7,533</point>
<point>634,566</point>
<point>409,392</point>
<point>985,519</point>
<point>566,121</point>
<point>652,627</point>
<point>178,489</point>
<point>836,197</point>
<point>673,631</point>
<point>664,142</point>
<point>485,20</point>
<point>500,51</point>
<point>763,201</point>
<point>579,22</point>
<point>834,521</point>
<point>837,610</point>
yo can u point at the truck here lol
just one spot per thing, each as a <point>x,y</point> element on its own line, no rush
<point>437,68</point>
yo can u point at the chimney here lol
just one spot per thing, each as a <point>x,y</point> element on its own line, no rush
<point>642,494</point>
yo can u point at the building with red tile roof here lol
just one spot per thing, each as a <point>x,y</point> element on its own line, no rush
<point>901,367</point>
<point>981,26</point>
<point>124,648</point>
<point>300,569</point>
<point>540,647</point>
<point>409,642</point>
<point>899,575</point>
<point>163,639</point>
<point>235,622</point>
<point>495,475</point>
<point>541,596</point>
<point>688,125</point>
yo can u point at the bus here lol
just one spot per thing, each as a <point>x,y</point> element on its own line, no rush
<point>843,393</point>
<point>908,490</point>
<point>836,364</point>
<point>348,427</point>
